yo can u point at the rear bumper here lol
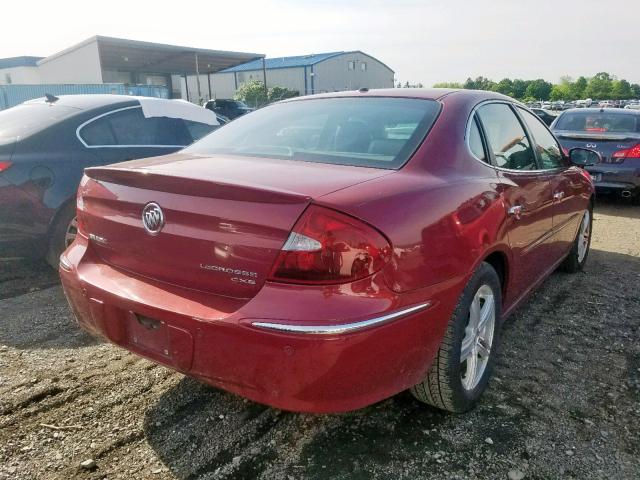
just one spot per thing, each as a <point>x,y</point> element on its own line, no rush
<point>616,178</point>
<point>249,348</point>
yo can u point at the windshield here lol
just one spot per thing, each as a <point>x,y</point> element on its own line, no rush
<point>372,132</point>
<point>601,122</point>
<point>26,119</point>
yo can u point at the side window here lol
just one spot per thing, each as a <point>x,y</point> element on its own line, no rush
<point>475,141</point>
<point>546,146</point>
<point>506,138</point>
<point>171,131</point>
<point>131,127</point>
<point>198,130</point>
<point>98,132</point>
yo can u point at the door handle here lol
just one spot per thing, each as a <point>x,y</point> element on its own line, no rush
<point>558,195</point>
<point>516,211</point>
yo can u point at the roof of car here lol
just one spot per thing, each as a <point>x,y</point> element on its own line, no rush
<point>422,93</point>
<point>85,102</point>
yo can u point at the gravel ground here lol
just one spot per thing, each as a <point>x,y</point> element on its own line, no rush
<point>564,401</point>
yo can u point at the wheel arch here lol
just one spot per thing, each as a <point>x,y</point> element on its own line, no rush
<point>500,263</point>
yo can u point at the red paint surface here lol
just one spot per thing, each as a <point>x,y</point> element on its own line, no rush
<point>443,213</point>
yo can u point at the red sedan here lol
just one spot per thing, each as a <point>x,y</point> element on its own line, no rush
<point>327,252</point>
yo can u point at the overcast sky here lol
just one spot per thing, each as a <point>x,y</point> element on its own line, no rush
<point>424,41</point>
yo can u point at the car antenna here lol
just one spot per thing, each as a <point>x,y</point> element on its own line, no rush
<point>51,98</point>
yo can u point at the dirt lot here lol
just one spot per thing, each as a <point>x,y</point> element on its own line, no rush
<point>564,401</point>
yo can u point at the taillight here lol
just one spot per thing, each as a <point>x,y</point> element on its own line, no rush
<point>80,204</point>
<point>4,166</point>
<point>620,155</point>
<point>328,247</point>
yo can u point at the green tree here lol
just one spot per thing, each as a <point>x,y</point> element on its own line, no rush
<point>539,89</point>
<point>447,85</point>
<point>560,92</point>
<point>480,83</point>
<point>519,88</point>
<point>577,89</point>
<point>635,90</point>
<point>621,90</point>
<point>280,93</point>
<point>469,84</point>
<point>505,86</point>
<point>252,93</point>
<point>599,86</point>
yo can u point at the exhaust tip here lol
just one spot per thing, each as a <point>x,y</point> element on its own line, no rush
<point>625,194</point>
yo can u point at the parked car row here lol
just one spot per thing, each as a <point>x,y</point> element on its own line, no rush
<point>586,103</point>
<point>227,108</point>
<point>545,115</point>
<point>45,144</point>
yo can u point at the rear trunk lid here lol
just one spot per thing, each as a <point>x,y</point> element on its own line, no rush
<point>225,218</point>
<point>606,144</point>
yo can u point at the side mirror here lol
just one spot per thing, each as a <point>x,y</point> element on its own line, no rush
<point>583,157</point>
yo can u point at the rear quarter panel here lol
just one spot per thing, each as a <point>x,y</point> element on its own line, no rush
<point>439,229</point>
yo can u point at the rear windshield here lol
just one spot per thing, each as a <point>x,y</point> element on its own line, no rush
<point>26,119</point>
<point>601,122</point>
<point>372,132</point>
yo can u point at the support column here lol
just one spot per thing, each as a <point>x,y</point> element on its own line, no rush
<point>198,77</point>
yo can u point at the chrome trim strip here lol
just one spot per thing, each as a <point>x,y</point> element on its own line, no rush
<point>501,169</point>
<point>340,328</point>
<point>64,263</point>
<point>117,146</point>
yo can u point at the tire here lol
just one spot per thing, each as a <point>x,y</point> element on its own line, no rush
<point>447,384</point>
<point>577,258</point>
<point>62,229</point>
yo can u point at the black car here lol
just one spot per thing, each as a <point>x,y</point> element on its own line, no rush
<point>615,134</point>
<point>228,108</point>
<point>546,116</point>
<point>45,144</point>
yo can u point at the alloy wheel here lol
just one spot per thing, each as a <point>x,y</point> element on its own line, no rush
<point>583,236</point>
<point>479,332</point>
<point>71,232</point>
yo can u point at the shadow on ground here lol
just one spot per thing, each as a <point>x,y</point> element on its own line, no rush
<point>562,403</point>
<point>617,207</point>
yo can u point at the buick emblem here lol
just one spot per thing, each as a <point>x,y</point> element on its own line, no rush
<point>152,218</point>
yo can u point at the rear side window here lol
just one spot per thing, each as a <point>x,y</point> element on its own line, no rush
<point>129,127</point>
<point>594,121</point>
<point>475,141</point>
<point>506,138</point>
<point>546,146</point>
<point>368,131</point>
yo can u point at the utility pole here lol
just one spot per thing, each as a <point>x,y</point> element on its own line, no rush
<point>264,78</point>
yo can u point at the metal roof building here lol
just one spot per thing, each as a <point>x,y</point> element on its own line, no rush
<point>308,74</point>
<point>101,59</point>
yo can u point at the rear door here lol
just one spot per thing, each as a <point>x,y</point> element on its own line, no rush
<point>526,191</point>
<point>567,185</point>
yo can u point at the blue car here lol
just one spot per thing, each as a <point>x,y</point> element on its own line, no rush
<point>45,145</point>
<point>615,134</point>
